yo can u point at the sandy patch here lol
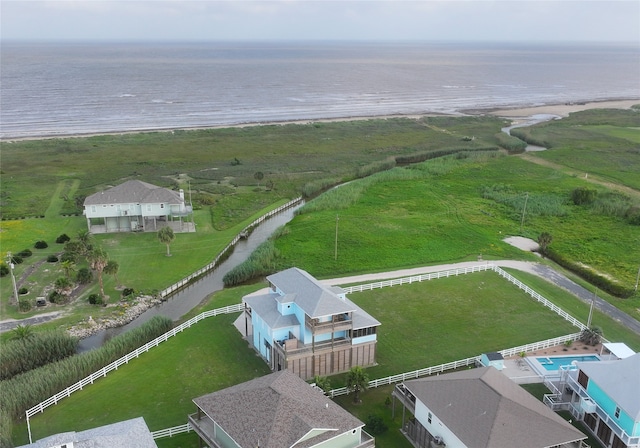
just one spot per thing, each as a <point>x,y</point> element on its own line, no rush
<point>563,110</point>
<point>522,243</point>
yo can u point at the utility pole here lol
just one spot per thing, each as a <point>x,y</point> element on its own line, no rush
<point>637,280</point>
<point>13,277</point>
<point>593,301</point>
<point>335,256</point>
<point>524,210</point>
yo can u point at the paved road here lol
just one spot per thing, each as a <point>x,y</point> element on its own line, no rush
<point>538,269</point>
<point>10,324</point>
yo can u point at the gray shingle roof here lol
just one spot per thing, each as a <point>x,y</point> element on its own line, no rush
<point>276,411</point>
<point>265,306</point>
<point>315,299</point>
<point>620,380</point>
<point>132,433</point>
<point>134,192</point>
<point>485,409</point>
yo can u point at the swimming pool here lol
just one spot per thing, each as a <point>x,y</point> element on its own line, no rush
<point>551,363</point>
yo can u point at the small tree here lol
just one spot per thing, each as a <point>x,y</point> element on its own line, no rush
<point>69,267</point>
<point>112,268</point>
<point>544,239</point>
<point>259,175</point>
<point>98,259</point>
<point>323,383</point>
<point>166,236</point>
<point>357,381</point>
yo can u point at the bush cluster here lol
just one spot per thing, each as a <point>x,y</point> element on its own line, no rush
<point>41,245</point>
<point>592,277</point>
<point>96,299</point>
<point>39,349</point>
<point>25,253</point>
<point>260,263</point>
<point>63,238</point>
<point>28,389</point>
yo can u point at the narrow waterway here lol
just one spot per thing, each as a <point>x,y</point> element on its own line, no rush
<point>188,298</point>
<point>530,121</point>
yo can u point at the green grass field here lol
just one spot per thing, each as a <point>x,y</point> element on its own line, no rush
<point>434,322</point>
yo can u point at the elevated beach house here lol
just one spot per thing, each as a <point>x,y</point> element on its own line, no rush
<point>605,395</point>
<point>278,410</point>
<point>309,328</point>
<point>136,206</point>
<point>479,408</point>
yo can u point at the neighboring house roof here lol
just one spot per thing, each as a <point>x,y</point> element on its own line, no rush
<point>485,409</point>
<point>620,380</point>
<point>134,191</point>
<point>315,299</point>
<point>132,433</point>
<point>276,411</point>
<point>619,349</point>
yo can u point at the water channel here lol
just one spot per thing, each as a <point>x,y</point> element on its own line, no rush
<point>191,296</point>
<point>530,121</point>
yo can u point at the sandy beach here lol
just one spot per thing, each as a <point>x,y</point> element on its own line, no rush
<point>514,114</point>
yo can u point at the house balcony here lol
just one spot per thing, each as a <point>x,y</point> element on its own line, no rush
<point>577,409</point>
<point>407,399</point>
<point>366,441</point>
<point>294,348</point>
<point>336,324</point>
<point>204,427</point>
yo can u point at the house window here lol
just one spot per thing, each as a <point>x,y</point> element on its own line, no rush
<point>429,417</point>
<point>591,421</point>
<point>617,413</point>
<point>161,205</point>
<point>617,443</point>
<point>604,432</point>
<point>583,379</point>
<point>93,209</point>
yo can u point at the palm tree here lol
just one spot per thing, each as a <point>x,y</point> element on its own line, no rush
<point>323,383</point>
<point>86,241</point>
<point>22,333</point>
<point>69,267</point>
<point>357,381</point>
<point>98,259</point>
<point>112,269</point>
<point>166,236</point>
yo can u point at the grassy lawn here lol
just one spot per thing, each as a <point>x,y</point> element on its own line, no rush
<point>434,322</point>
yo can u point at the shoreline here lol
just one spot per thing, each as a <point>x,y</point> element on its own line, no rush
<point>515,114</point>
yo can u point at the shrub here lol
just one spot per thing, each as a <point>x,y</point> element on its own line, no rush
<point>41,245</point>
<point>375,425</point>
<point>55,297</point>
<point>23,306</point>
<point>84,276</point>
<point>63,238</point>
<point>23,291</point>
<point>126,292</point>
<point>95,299</point>
<point>4,270</point>
<point>16,259</point>
<point>68,256</point>
<point>583,196</point>
<point>25,253</point>
<point>52,259</point>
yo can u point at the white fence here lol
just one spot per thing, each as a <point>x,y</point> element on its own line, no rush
<point>185,281</point>
<point>40,407</point>
<point>170,432</point>
<point>475,360</point>
<point>418,278</point>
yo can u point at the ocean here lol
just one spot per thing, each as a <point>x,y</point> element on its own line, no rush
<point>58,89</point>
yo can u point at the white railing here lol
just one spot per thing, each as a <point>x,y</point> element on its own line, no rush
<point>539,345</point>
<point>575,322</point>
<point>417,278</point>
<point>170,432</point>
<point>40,407</point>
<point>185,281</point>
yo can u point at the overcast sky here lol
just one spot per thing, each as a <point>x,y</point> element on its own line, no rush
<point>443,20</point>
